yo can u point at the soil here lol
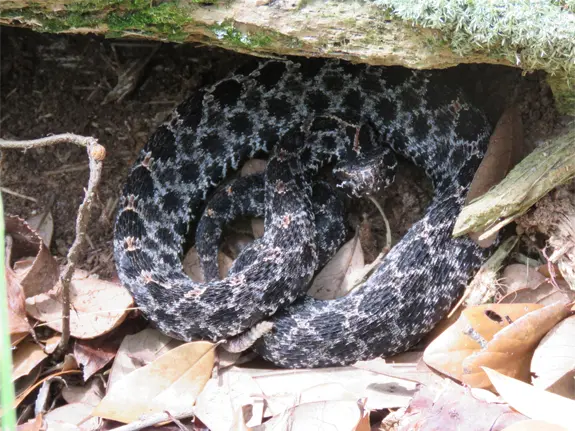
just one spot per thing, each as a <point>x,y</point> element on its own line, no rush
<point>63,83</point>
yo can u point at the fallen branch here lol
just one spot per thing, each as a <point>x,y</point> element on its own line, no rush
<point>152,420</point>
<point>541,171</point>
<point>96,154</point>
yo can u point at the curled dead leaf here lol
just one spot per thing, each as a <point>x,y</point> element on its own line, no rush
<point>505,150</point>
<point>554,358</point>
<point>98,306</point>
<point>42,272</point>
<point>533,402</point>
<point>172,382</point>
<point>335,279</point>
<point>502,336</point>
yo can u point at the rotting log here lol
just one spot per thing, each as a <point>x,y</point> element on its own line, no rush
<point>415,34</point>
<point>549,166</point>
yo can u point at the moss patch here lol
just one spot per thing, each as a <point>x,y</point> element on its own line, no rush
<point>166,19</point>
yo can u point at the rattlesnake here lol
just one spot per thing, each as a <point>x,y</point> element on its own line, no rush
<point>219,127</point>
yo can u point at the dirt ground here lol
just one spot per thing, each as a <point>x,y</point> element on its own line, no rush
<point>59,83</point>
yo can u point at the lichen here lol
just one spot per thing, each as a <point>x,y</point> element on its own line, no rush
<point>533,35</point>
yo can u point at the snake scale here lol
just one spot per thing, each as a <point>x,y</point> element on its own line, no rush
<point>413,113</point>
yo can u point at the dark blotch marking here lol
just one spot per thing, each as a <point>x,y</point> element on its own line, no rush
<point>317,101</point>
<point>386,110</point>
<point>162,144</point>
<point>410,99</point>
<point>353,101</point>
<point>394,76</point>
<point>269,136</point>
<point>131,224</point>
<point>240,124</point>
<point>333,82</point>
<point>324,123</point>
<point>420,127</point>
<point>270,74</point>
<point>190,112</point>
<point>371,83</point>
<point>311,67</point>
<point>227,93</point>
<point>165,236</point>
<point>279,107</point>
<point>213,144</point>
<point>248,67</point>
<point>189,172</point>
<point>140,184</point>
<point>170,259</point>
<point>252,100</point>
<point>466,127</point>
<point>171,202</point>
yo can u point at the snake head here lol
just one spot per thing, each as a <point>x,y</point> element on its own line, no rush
<point>368,173</point>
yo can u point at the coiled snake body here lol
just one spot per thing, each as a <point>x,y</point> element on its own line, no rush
<point>213,132</point>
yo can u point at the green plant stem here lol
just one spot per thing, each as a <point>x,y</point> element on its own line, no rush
<point>6,388</point>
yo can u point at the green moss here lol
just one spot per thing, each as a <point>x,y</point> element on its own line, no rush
<point>166,20</point>
<point>533,35</point>
<point>232,36</point>
<point>563,93</point>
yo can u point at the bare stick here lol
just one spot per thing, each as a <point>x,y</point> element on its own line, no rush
<point>151,420</point>
<point>96,154</point>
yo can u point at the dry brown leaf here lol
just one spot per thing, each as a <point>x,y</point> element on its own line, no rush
<point>224,264</point>
<point>93,357</point>
<point>533,402</point>
<point>533,425</point>
<point>448,351</point>
<point>35,424</point>
<point>91,393</point>
<point>192,267</point>
<point>220,401</point>
<point>504,151</point>
<point>406,366</point>
<point>511,349</point>
<point>22,396</point>
<point>138,350</point>
<point>98,306</point>
<point>518,276</point>
<point>41,272</point>
<point>335,279</point>
<point>18,325</point>
<point>320,416</point>
<point>502,336</point>
<point>253,166</point>
<point>258,227</point>
<point>25,358</point>
<point>450,407</point>
<point>527,285</point>
<point>43,225</point>
<point>555,357</point>
<point>72,417</point>
<point>283,388</point>
<point>172,382</point>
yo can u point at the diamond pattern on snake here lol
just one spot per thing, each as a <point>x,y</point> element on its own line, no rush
<point>307,114</point>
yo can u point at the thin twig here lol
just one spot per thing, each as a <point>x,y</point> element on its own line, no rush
<point>152,420</point>
<point>388,239</point>
<point>96,154</point>
<point>83,141</point>
<point>18,195</point>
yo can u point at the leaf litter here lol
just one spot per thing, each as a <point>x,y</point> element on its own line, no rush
<point>253,397</point>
